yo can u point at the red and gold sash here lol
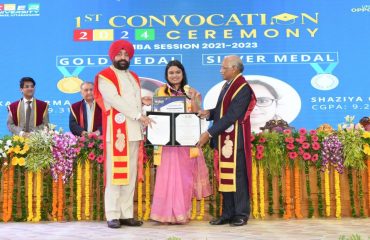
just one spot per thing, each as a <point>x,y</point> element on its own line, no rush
<point>228,140</point>
<point>118,129</point>
<point>78,114</point>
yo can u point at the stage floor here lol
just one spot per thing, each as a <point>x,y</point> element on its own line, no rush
<point>267,229</point>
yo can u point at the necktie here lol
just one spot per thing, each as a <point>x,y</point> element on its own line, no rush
<point>223,91</point>
<point>28,116</point>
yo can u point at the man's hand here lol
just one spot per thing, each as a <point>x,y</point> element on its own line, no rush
<point>145,121</point>
<point>147,100</point>
<point>83,133</point>
<point>26,134</point>
<point>203,139</point>
<point>203,114</point>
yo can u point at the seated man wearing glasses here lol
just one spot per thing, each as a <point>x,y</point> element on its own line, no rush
<point>266,106</point>
<point>27,114</point>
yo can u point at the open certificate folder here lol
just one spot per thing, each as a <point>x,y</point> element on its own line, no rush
<point>173,129</point>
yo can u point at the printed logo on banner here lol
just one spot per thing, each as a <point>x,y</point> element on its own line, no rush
<point>34,7</point>
<point>147,34</point>
<point>9,7</point>
<point>362,9</point>
<point>14,10</point>
<point>21,8</point>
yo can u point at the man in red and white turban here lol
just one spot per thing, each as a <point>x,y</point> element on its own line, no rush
<point>117,91</point>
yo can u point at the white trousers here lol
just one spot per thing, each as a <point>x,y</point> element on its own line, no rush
<point>119,199</point>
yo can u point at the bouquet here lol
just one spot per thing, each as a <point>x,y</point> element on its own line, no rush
<point>90,147</point>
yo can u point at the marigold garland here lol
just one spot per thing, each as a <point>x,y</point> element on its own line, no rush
<point>201,212</point>
<point>60,197</point>
<point>37,218</point>
<point>297,192</point>
<point>147,192</point>
<point>140,200</point>
<point>254,190</point>
<point>10,193</point>
<point>327,192</point>
<point>288,200</point>
<point>87,189</point>
<point>338,204</point>
<point>8,177</point>
<point>261,191</point>
<point>78,191</point>
<point>5,193</point>
<point>30,195</point>
<point>193,208</point>
<point>55,200</point>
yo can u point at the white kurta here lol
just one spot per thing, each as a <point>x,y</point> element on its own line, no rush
<point>119,200</point>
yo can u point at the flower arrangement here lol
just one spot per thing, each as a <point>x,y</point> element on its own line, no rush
<point>5,144</point>
<point>39,157</point>
<point>13,151</point>
<point>295,142</point>
<point>89,150</point>
<point>332,153</point>
<point>352,140</point>
<point>64,153</point>
<point>90,147</point>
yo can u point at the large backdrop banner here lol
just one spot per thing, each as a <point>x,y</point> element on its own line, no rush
<point>308,62</point>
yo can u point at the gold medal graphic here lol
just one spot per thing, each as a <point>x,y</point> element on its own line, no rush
<point>69,85</point>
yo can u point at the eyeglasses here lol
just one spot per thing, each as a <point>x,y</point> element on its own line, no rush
<point>225,68</point>
<point>28,86</point>
<point>264,101</point>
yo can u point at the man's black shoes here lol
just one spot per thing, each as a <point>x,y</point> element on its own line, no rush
<point>237,222</point>
<point>114,223</point>
<point>131,222</point>
<point>219,221</point>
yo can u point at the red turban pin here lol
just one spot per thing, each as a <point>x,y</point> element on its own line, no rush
<point>118,46</point>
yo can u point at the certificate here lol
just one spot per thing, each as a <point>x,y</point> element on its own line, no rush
<point>187,129</point>
<point>160,132</point>
<point>175,104</point>
<point>173,129</point>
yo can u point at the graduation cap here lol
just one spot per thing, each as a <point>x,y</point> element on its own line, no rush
<point>284,19</point>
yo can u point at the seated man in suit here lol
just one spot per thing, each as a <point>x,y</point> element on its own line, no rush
<point>85,116</point>
<point>27,114</point>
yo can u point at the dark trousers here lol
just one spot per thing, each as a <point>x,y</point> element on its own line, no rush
<point>237,204</point>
